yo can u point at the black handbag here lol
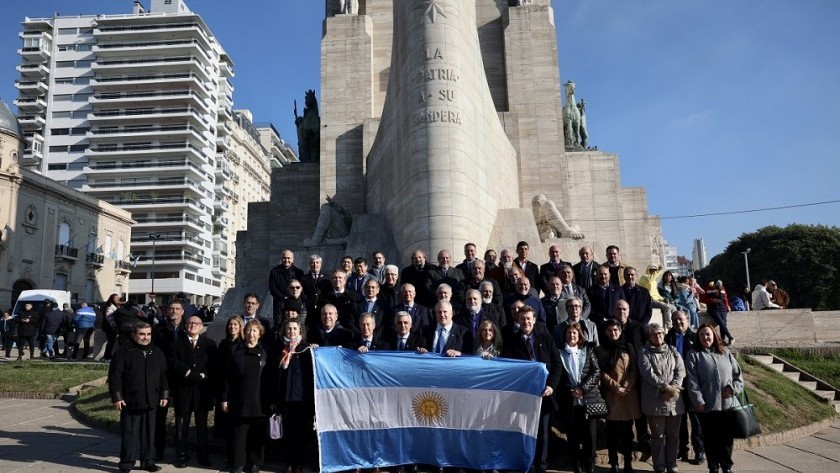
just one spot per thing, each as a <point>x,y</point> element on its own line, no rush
<point>742,413</point>
<point>596,409</point>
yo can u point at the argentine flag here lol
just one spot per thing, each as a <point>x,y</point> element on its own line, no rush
<point>382,409</point>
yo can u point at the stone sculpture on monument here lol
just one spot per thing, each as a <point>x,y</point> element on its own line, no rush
<point>333,227</point>
<point>582,132</point>
<point>350,7</point>
<point>308,129</point>
<point>571,118</point>
<point>550,222</point>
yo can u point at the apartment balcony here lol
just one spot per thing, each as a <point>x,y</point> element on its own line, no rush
<point>32,87</point>
<point>186,80</point>
<point>192,64</point>
<point>162,29</point>
<point>181,47</point>
<point>176,239</point>
<point>156,167</point>
<point>142,184</point>
<point>66,252</point>
<point>162,133</point>
<point>164,259</point>
<point>40,52</point>
<point>221,205</point>
<point>122,267</point>
<point>179,221</point>
<point>33,70</point>
<point>195,116</point>
<point>95,260</point>
<point>31,104</point>
<point>132,100</point>
<point>157,150</point>
<point>32,122</point>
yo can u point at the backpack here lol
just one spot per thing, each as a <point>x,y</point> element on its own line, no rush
<point>737,304</point>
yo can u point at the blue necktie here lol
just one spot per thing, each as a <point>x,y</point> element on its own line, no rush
<point>440,341</point>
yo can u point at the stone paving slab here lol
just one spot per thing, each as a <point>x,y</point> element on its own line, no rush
<point>41,436</point>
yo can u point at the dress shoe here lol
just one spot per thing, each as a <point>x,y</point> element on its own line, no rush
<point>180,464</point>
<point>700,458</point>
<point>204,462</point>
<point>683,457</point>
<point>150,467</point>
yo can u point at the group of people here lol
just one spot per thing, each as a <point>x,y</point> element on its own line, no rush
<point>43,328</point>
<point>591,328</point>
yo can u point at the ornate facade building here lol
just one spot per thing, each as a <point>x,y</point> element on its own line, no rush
<point>54,237</point>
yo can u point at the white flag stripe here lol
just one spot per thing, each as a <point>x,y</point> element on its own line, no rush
<point>388,408</point>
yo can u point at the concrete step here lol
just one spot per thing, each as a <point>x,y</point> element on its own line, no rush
<point>792,375</point>
<point>825,394</point>
<point>811,385</point>
<point>765,359</point>
<point>778,367</point>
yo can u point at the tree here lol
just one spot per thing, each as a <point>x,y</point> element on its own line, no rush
<point>804,260</point>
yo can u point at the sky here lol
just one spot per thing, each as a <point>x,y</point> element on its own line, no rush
<point>712,106</point>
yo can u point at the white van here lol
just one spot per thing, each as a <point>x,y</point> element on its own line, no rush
<point>37,296</point>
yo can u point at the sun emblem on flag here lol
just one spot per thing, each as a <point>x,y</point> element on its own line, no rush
<point>429,407</point>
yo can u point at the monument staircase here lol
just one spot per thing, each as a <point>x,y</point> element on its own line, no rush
<point>817,386</point>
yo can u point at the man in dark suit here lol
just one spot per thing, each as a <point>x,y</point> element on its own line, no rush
<point>571,290</point>
<point>331,334</point>
<point>475,313</point>
<point>474,280</point>
<point>681,337</point>
<point>167,336</point>
<point>405,339</point>
<point>552,268</point>
<point>602,298</point>
<point>446,338</point>
<point>420,316</point>
<point>523,293</point>
<point>192,390</point>
<point>532,272</point>
<point>315,282</point>
<point>585,269</point>
<point>417,274</point>
<point>641,305</point>
<point>367,339</point>
<point>530,344</point>
<point>279,277</point>
<point>345,301</point>
<point>444,273</point>
<point>469,259</point>
<point>373,305</point>
<point>251,304</point>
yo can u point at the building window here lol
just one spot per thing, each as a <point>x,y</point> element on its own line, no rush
<point>64,234</point>
<point>60,282</point>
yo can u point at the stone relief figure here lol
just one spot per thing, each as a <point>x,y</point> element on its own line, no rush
<point>333,227</point>
<point>519,3</point>
<point>571,118</point>
<point>309,130</point>
<point>550,223</point>
<point>584,135</point>
<point>350,7</point>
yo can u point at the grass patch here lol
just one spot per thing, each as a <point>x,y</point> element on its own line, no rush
<point>95,407</point>
<point>47,377</point>
<point>826,367</point>
<point>781,404</point>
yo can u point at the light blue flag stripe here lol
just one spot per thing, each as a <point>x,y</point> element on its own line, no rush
<point>481,450</point>
<point>341,368</point>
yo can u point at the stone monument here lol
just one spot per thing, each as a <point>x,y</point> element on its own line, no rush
<point>443,122</point>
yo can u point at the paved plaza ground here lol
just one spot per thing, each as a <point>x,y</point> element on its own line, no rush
<point>42,436</point>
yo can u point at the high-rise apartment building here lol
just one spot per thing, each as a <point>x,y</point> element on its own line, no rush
<point>137,110</point>
<point>698,255</point>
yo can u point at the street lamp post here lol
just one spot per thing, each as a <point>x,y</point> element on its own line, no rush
<point>747,266</point>
<point>154,237</point>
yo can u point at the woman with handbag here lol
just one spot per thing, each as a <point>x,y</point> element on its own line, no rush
<point>714,379</point>
<point>579,398</point>
<point>619,375</point>
<point>662,371</point>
